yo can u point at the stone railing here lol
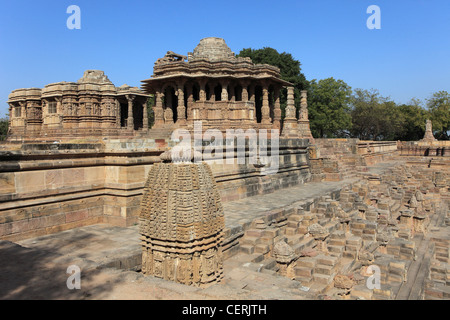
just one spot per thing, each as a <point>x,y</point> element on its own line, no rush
<point>424,148</point>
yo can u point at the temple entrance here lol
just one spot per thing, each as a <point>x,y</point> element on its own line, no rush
<point>171,101</point>
<point>258,103</point>
<point>138,115</point>
<point>238,93</point>
<point>218,92</point>
<point>123,114</point>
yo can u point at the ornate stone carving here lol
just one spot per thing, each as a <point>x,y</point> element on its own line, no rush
<point>181,223</point>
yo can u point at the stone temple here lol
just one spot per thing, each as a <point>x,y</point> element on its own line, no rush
<point>86,180</point>
<point>92,106</point>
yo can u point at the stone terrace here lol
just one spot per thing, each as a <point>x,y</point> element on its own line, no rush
<point>110,256</point>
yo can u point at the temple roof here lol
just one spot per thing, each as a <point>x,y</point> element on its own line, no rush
<point>211,59</point>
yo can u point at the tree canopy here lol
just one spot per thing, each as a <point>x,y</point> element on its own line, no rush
<point>329,108</point>
<point>3,128</point>
<point>439,113</point>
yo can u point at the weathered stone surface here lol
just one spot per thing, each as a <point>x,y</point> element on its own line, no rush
<point>343,282</point>
<point>181,223</point>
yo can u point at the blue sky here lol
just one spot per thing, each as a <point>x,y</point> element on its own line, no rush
<point>408,57</point>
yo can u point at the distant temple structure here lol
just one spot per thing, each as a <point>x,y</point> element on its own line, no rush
<point>219,89</point>
<point>428,132</point>
<point>92,106</point>
<point>210,85</point>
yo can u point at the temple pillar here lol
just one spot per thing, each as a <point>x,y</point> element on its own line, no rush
<point>118,113</point>
<point>145,115</point>
<point>190,101</point>
<point>130,119</point>
<point>252,108</point>
<point>265,109</point>
<point>58,105</point>
<point>244,92</point>
<point>202,92</point>
<point>303,120</point>
<point>290,121</point>
<point>158,110</point>
<point>181,108</point>
<point>251,92</point>
<point>224,96</point>
<point>277,109</point>
<point>232,93</point>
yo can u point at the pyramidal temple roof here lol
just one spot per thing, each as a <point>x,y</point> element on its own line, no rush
<point>212,49</point>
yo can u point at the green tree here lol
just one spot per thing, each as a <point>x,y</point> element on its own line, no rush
<point>3,128</point>
<point>439,113</point>
<point>290,70</point>
<point>329,108</point>
<point>413,117</point>
<point>374,117</point>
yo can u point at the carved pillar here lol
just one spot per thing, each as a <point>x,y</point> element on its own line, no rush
<point>202,92</point>
<point>58,104</point>
<point>252,108</point>
<point>181,109</point>
<point>158,110</point>
<point>265,109</point>
<point>145,115</point>
<point>303,121</point>
<point>118,113</point>
<point>168,112</point>
<point>277,109</point>
<point>190,101</point>
<point>224,96</point>
<point>244,93</point>
<point>232,92</point>
<point>130,119</point>
<point>212,92</point>
<point>251,92</point>
<point>290,121</point>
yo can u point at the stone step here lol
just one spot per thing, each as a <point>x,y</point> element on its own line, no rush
<point>303,272</point>
<point>306,262</point>
<point>327,260</point>
<point>323,279</point>
<point>262,248</point>
<point>336,242</point>
<point>302,245</point>
<point>249,241</point>
<point>247,249</point>
<point>294,239</point>
<point>253,233</point>
<point>324,269</point>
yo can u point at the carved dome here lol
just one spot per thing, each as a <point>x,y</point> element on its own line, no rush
<point>212,49</point>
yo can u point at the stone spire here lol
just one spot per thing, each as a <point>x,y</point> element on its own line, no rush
<point>181,223</point>
<point>428,132</point>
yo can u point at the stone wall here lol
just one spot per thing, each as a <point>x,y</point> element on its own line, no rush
<point>337,159</point>
<point>47,188</point>
<point>424,148</point>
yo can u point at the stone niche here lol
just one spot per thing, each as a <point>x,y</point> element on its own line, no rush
<point>181,223</point>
